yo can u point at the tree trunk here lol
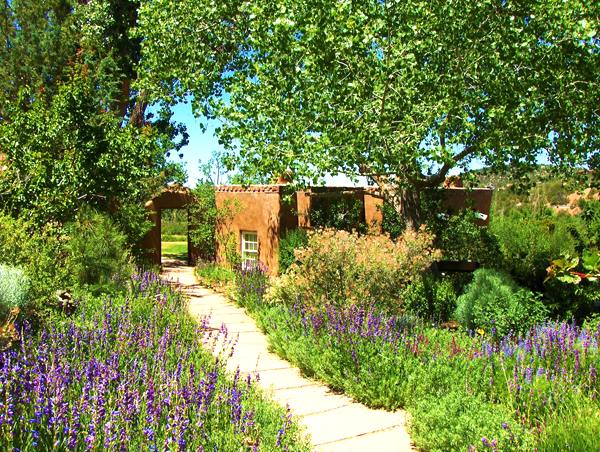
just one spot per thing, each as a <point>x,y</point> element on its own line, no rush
<point>138,113</point>
<point>408,206</point>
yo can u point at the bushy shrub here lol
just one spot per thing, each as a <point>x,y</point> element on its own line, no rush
<point>96,251</point>
<point>459,238</point>
<point>291,240</point>
<point>494,301</point>
<point>14,289</point>
<point>40,252</point>
<point>431,297</point>
<point>528,244</point>
<point>339,268</point>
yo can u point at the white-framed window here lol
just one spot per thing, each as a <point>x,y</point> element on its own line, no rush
<point>249,247</point>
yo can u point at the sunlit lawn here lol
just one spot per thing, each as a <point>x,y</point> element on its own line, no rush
<point>174,250</point>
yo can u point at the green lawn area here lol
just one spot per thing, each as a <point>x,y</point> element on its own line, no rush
<point>174,250</point>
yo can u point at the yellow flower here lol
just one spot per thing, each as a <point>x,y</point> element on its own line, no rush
<point>480,331</point>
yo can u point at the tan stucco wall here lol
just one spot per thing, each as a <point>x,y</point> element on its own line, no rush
<point>456,198</point>
<point>263,213</point>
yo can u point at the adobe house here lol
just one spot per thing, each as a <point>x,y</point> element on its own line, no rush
<point>266,216</point>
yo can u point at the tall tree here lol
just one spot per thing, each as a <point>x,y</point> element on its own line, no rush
<point>399,92</point>
<point>72,130</point>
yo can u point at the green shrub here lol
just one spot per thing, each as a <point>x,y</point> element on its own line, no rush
<point>341,268</point>
<point>455,420</point>
<point>96,250</point>
<point>494,300</point>
<point>458,237</point>
<point>14,289</point>
<point>429,296</point>
<point>292,240</point>
<point>528,244</point>
<point>40,252</point>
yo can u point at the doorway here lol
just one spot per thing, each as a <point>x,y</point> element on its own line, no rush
<point>174,234</point>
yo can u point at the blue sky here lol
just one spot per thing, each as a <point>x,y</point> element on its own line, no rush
<point>202,145</point>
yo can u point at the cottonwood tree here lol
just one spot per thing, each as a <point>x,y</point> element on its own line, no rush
<point>72,130</point>
<point>399,92</point>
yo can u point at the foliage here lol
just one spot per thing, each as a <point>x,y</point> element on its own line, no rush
<point>96,250</point>
<point>341,268</point>
<point>14,290</point>
<point>590,214</point>
<point>203,219</point>
<point>227,240</point>
<point>494,303</point>
<point>392,223</point>
<point>431,297</point>
<point>74,153</point>
<point>38,38</point>
<point>341,213</point>
<point>399,92</point>
<point>462,392</point>
<point>174,222</point>
<point>528,244</point>
<point>459,238</point>
<point>288,244</point>
<point>40,252</point>
<point>564,269</point>
<point>135,372</point>
<point>210,225</point>
<point>210,274</point>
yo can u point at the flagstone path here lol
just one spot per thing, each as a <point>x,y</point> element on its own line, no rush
<point>334,421</point>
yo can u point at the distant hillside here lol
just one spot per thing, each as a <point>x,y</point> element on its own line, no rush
<point>545,191</point>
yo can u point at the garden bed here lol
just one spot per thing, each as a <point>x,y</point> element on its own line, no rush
<point>131,371</point>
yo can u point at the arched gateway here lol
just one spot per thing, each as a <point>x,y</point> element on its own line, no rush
<point>172,197</point>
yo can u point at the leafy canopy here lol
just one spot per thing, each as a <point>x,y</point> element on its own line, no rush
<point>401,92</point>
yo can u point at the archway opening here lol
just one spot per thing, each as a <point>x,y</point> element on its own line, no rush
<point>174,234</point>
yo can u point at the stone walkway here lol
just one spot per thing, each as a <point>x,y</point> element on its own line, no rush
<point>334,421</point>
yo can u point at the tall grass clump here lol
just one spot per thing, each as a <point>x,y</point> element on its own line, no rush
<point>15,289</point>
<point>134,372</point>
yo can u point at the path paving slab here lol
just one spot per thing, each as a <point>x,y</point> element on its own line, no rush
<point>335,422</point>
<point>313,400</point>
<point>349,421</point>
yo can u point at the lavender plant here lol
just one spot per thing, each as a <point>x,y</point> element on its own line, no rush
<point>134,373</point>
<point>464,392</point>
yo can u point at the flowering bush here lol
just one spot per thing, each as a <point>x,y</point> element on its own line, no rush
<point>134,373</point>
<point>340,268</point>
